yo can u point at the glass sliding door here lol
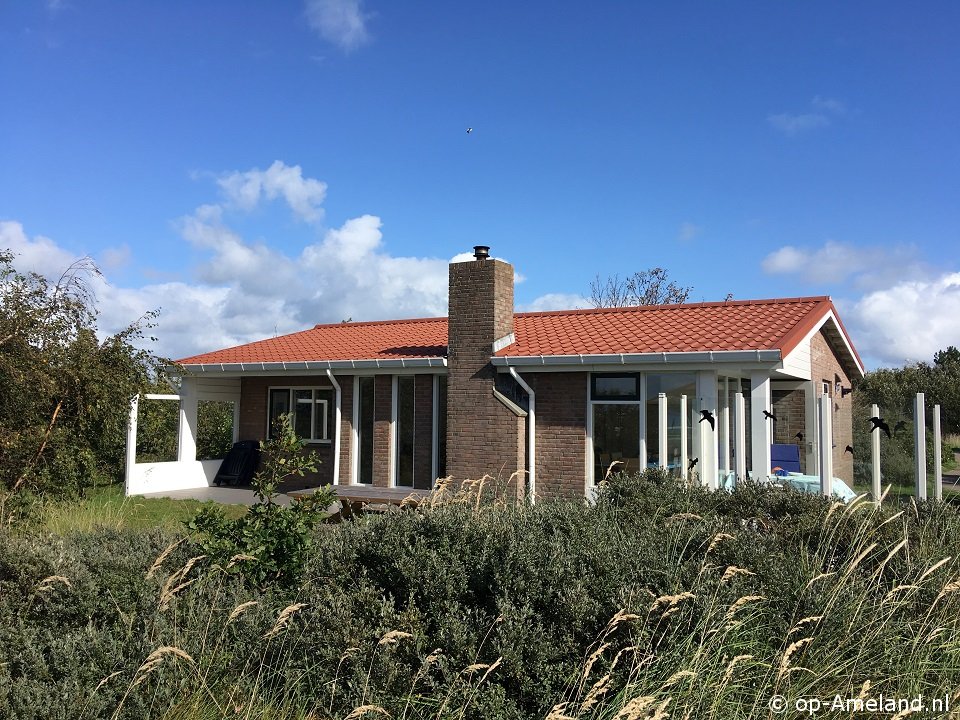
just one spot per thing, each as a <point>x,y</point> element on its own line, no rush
<point>365,430</point>
<point>616,438</point>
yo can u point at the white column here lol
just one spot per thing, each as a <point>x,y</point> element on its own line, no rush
<point>707,393</point>
<point>875,457</point>
<point>826,445</point>
<point>919,447</point>
<point>811,431</point>
<point>684,419</point>
<point>760,430</point>
<point>131,457</point>
<point>337,400</point>
<point>740,425</point>
<point>725,426</point>
<point>187,431</point>
<point>937,456</point>
<point>662,428</point>
<point>643,423</point>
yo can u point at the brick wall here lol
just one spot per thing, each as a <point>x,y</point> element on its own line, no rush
<point>382,410</point>
<point>483,436</point>
<point>253,422</point>
<point>825,367</point>
<point>561,422</point>
<point>346,426</point>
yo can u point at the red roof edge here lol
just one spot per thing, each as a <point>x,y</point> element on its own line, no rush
<point>678,306</point>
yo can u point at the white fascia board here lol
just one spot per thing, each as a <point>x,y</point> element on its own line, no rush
<point>313,366</point>
<point>829,315</point>
<point>709,357</point>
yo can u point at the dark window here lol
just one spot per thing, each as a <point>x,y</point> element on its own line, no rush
<point>310,410</point>
<point>615,387</point>
<point>279,405</point>
<point>405,430</point>
<point>441,411</point>
<point>365,430</point>
<point>616,438</point>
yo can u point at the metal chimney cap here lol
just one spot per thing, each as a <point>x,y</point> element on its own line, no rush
<point>481,252</point>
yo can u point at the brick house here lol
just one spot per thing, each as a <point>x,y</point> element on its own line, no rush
<point>550,398</point>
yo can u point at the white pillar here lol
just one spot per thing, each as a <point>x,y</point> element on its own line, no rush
<point>707,393</point>
<point>187,431</point>
<point>826,445</point>
<point>684,419</point>
<point>740,425</point>
<point>725,427</point>
<point>337,399</point>
<point>811,431</point>
<point>760,430</point>
<point>875,457</point>
<point>131,457</point>
<point>937,456</point>
<point>919,447</point>
<point>662,449</point>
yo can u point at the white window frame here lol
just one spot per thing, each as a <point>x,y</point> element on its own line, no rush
<point>325,439</point>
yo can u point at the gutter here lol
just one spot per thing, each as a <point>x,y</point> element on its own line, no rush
<point>531,436</point>
<point>336,424</point>
<point>321,365</point>
<point>708,356</point>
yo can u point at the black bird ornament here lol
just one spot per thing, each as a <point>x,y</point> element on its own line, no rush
<point>848,449</point>
<point>692,464</point>
<point>708,416</point>
<point>878,422</point>
<point>770,415</point>
<point>798,437</point>
<point>901,425</point>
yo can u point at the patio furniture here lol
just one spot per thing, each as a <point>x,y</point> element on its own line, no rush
<point>240,464</point>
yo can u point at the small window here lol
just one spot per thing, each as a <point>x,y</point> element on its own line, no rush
<point>616,387</point>
<point>308,408</point>
<point>825,389</point>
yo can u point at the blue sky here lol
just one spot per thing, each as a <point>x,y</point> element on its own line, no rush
<point>255,168</point>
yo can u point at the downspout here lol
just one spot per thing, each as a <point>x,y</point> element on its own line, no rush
<point>336,425</point>
<point>531,435</point>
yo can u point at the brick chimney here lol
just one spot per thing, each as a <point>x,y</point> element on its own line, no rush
<point>483,435</point>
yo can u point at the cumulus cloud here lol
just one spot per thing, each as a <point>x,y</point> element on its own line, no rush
<point>341,22</point>
<point>909,321</point>
<point>38,254</point>
<point>555,301</point>
<point>864,267</point>
<point>821,113</point>
<point>245,190</point>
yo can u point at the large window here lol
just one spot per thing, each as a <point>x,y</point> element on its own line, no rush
<point>309,410</point>
<point>673,385</point>
<point>365,430</point>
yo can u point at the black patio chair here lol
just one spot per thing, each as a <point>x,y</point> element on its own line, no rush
<point>240,464</point>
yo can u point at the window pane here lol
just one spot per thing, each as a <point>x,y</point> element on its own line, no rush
<point>365,430</point>
<point>405,431</point>
<point>323,415</point>
<point>302,414</point>
<point>441,411</point>
<point>279,405</point>
<point>673,385</point>
<point>616,436</point>
<point>615,387</point>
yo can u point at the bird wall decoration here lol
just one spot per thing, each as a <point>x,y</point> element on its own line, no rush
<point>708,416</point>
<point>878,423</point>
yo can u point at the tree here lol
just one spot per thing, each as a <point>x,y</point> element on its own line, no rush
<point>647,287</point>
<point>64,393</point>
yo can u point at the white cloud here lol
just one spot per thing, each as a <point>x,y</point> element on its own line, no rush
<point>115,258</point>
<point>341,22</point>
<point>821,114</point>
<point>688,231</point>
<point>39,254</point>
<point>909,321</point>
<point>866,267</point>
<point>555,301</point>
<point>245,190</point>
<point>793,124</point>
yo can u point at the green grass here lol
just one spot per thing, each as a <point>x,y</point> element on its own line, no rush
<point>106,506</point>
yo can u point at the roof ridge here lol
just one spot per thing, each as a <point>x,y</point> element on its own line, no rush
<point>367,323</point>
<point>679,306</point>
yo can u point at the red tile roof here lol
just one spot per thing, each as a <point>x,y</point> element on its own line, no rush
<point>735,325</point>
